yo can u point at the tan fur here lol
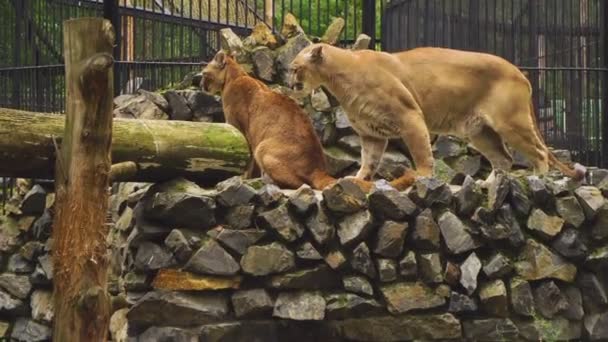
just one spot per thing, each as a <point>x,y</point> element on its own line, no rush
<point>280,134</point>
<point>478,97</point>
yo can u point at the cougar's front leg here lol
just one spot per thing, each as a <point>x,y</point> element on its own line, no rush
<point>415,134</point>
<point>372,150</point>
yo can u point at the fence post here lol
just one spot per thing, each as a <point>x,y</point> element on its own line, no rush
<point>111,13</point>
<point>19,19</point>
<point>604,82</point>
<point>369,21</point>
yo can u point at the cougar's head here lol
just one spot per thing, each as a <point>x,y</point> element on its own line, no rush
<point>303,74</point>
<point>214,74</point>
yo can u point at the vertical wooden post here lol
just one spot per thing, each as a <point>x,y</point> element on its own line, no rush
<point>269,13</point>
<point>82,181</point>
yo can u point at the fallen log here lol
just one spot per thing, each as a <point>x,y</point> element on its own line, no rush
<point>202,152</point>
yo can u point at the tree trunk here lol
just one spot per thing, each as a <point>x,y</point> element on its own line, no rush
<point>80,261</point>
<point>202,152</point>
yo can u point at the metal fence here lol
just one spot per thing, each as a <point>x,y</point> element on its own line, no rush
<point>561,44</point>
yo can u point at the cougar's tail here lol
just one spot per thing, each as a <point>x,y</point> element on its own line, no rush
<point>577,172</point>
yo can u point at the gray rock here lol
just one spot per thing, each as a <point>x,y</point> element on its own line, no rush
<point>344,196</point>
<point>361,261</point>
<point>594,293</point>
<point>431,270</point>
<point>137,282</point>
<point>333,31</point>
<point>498,191</point>
<point>467,165</point>
<point>268,195</point>
<point>570,210</point>
<point>34,201</point>
<point>303,199</point>
<point>300,306</point>
<point>232,44</point>
<point>252,303</point>
<point>287,52</point>
<point>10,305</point>
<point>598,259</point>
<point>469,197</point>
<point>390,204</point>
<point>42,305</point>
<point>406,296</point>
<point>17,285</point>
<point>233,192</point>
<point>280,221</point>
<point>387,270</point>
<point>177,243</point>
<point>599,229</point>
<point>28,330</point>
<point>546,226</point>
<point>263,63</point>
<point>240,216</point>
<point>549,299</point>
<point>490,329</point>
<point>140,107</point>
<point>178,309</point>
<point>316,278</point>
<point>538,262</point>
<point>358,285</point>
<point>570,245</point>
<point>320,226</point>
<point>390,239</point>
<point>562,187</point>
<point>408,267</point>
<point>342,121</point>
<point>126,221</point>
<point>522,300</point>
<point>469,271</point>
<point>497,266</point>
<point>507,218</point>
<point>211,258</point>
<point>181,203</point>
<point>558,329</point>
<point>456,234</point>
<point>496,231</point>
<point>339,161</point>
<point>596,326</point>
<point>320,101</point>
<point>31,250</point>
<point>351,143</point>
<point>307,251</point>
<point>146,230</point>
<point>519,199</point>
<point>362,42</point>
<point>156,98</point>
<point>18,264</point>
<point>460,303</point>
<point>447,146</point>
<point>393,165</point>
<point>173,334</point>
<point>426,231</point>
<point>574,311</point>
<point>540,193</point>
<point>348,305</point>
<point>494,299</point>
<point>400,328</point>
<point>431,191</point>
<point>151,257</point>
<point>355,228</point>
<point>591,199</point>
<point>236,240</point>
<point>179,109</point>
<point>267,259</point>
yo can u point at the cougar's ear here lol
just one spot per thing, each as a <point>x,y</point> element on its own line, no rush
<point>220,58</point>
<point>316,55</point>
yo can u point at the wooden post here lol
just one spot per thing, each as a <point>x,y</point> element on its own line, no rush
<point>269,13</point>
<point>80,260</point>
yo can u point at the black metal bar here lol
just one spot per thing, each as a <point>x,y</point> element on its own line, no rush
<point>110,12</point>
<point>369,20</point>
<point>604,61</point>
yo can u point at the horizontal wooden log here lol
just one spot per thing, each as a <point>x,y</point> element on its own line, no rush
<point>202,152</point>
